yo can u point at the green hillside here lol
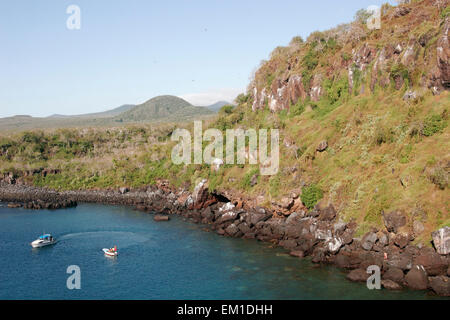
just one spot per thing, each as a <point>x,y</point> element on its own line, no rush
<point>162,107</point>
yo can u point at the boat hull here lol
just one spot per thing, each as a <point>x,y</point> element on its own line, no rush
<point>110,254</point>
<point>40,244</point>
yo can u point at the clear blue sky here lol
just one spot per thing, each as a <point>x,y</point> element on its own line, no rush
<point>130,51</point>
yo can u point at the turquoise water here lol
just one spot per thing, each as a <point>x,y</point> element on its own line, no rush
<point>157,260</point>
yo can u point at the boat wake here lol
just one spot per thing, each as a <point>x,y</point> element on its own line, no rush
<point>121,238</point>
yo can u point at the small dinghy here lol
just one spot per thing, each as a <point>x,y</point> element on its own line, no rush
<point>111,252</point>
<point>44,240</point>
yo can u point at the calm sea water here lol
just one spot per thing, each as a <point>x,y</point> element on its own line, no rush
<point>165,260</point>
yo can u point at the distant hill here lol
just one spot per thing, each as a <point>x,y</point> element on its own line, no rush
<point>216,106</point>
<point>104,114</point>
<point>158,109</point>
<point>163,107</point>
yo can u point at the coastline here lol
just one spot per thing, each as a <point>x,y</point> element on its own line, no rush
<point>315,233</point>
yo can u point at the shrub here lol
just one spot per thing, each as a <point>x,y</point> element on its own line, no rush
<point>400,70</point>
<point>246,182</point>
<point>445,13</point>
<point>228,109</point>
<point>383,135</point>
<point>298,108</point>
<point>311,195</point>
<point>242,98</point>
<point>433,124</point>
<point>439,177</point>
<point>310,60</point>
<point>274,185</point>
<point>296,41</point>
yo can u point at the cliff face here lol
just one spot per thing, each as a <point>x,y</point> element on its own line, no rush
<point>411,50</point>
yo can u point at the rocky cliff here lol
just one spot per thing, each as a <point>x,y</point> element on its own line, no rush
<point>411,50</point>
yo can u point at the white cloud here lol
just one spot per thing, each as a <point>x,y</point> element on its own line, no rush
<point>212,96</point>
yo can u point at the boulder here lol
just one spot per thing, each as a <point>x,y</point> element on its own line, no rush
<point>328,213</point>
<point>244,228</point>
<point>207,213</point>
<point>342,261</point>
<point>201,197</point>
<point>383,240</point>
<point>14,205</point>
<point>160,217</point>
<point>183,199</point>
<point>123,190</point>
<point>232,229</point>
<point>358,275</point>
<point>433,263</point>
<point>333,245</point>
<point>418,227</point>
<point>398,49</point>
<point>401,240</point>
<point>394,220</point>
<point>295,217</point>
<point>390,285</point>
<point>400,260</point>
<point>441,240</point>
<point>287,203</point>
<point>409,95</point>
<point>288,244</point>
<point>322,146</point>
<point>297,253</point>
<point>339,227</point>
<point>369,240</point>
<point>440,285</point>
<point>394,274</point>
<point>417,278</point>
<point>401,11</point>
<point>254,180</point>
<point>254,217</point>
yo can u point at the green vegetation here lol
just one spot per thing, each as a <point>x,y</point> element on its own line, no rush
<point>311,195</point>
<point>384,152</point>
<point>434,124</point>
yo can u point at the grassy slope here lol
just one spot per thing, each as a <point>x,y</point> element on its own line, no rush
<point>376,141</point>
<point>360,175</point>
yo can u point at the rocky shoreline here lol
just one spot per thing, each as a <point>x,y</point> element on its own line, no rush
<point>316,233</point>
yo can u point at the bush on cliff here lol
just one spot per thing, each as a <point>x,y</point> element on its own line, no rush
<point>311,195</point>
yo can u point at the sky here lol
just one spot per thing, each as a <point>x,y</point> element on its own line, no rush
<point>127,52</point>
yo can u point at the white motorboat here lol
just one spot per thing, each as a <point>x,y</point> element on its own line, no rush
<point>111,252</point>
<point>44,240</point>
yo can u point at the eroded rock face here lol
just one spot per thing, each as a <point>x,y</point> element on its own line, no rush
<point>441,240</point>
<point>443,55</point>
